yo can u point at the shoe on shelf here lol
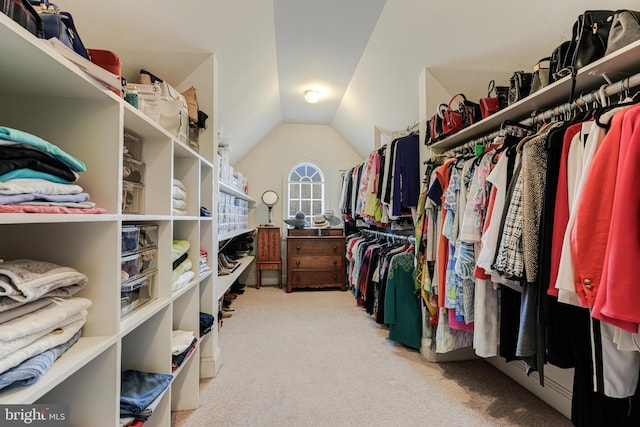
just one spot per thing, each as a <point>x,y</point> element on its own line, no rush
<point>223,271</point>
<point>229,259</point>
<point>223,261</point>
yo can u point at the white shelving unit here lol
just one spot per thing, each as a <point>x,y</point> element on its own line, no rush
<point>225,231</point>
<point>614,67</point>
<point>225,282</point>
<point>44,94</point>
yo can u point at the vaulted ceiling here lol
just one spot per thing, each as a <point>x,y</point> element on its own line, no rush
<point>364,56</point>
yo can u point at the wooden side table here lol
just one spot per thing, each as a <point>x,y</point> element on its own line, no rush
<point>269,257</point>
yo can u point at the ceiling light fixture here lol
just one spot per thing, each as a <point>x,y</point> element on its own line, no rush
<point>311,96</point>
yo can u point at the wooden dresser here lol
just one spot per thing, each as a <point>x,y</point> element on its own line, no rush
<point>268,252</point>
<point>315,258</point>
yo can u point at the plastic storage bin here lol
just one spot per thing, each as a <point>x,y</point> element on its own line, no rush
<point>132,197</point>
<point>148,237</point>
<point>130,238</point>
<point>130,267</point>
<point>135,293</point>
<point>148,260</point>
<point>133,170</point>
<point>132,146</point>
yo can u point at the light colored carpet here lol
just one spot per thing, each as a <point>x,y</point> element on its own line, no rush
<point>313,358</point>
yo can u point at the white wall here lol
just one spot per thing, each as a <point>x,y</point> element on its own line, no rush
<point>267,165</point>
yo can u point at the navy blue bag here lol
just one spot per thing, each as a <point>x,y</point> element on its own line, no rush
<point>58,24</point>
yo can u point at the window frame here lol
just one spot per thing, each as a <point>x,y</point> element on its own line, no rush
<point>317,171</point>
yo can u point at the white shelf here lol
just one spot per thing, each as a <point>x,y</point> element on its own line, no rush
<point>230,190</point>
<point>33,218</point>
<point>223,283</point>
<point>202,277</point>
<point>35,57</point>
<point>235,234</point>
<point>186,360</point>
<point>183,290</point>
<point>617,65</point>
<point>77,356</point>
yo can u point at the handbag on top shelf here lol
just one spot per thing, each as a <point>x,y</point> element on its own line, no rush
<point>58,24</point>
<point>434,126</point>
<point>519,86</point>
<point>22,12</point>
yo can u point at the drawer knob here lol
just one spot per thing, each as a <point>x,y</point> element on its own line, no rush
<point>335,276</point>
<point>335,247</point>
<point>298,277</point>
<point>298,262</point>
<point>298,247</point>
<point>335,262</point>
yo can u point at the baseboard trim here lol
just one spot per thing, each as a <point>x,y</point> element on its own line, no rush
<point>210,366</point>
<point>558,383</point>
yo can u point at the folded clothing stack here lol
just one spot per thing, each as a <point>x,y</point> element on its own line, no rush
<point>204,259</point>
<point>179,198</point>
<point>37,176</point>
<point>182,264</point>
<point>206,323</point>
<point>39,318</point>
<point>140,394</point>
<point>183,344</point>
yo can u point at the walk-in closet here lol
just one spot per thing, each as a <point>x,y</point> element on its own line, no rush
<point>323,213</point>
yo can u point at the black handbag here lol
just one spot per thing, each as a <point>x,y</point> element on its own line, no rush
<point>540,77</point>
<point>557,62</point>
<point>625,29</point>
<point>590,33</point>
<point>519,86</point>
<point>471,112</point>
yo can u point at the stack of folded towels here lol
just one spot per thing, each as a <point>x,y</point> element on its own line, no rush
<point>39,177</point>
<point>39,317</point>
<point>179,198</point>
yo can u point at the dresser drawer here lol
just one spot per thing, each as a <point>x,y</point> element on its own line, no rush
<point>315,246</point>
<point>316,278</point>
<point>316,262</point>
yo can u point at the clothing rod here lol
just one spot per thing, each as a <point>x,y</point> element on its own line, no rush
<point>390,235</point>
<point>580,102</point>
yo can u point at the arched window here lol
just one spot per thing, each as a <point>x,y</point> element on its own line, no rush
<point>305,190</point>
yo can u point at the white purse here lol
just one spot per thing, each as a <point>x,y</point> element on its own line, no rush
<point>170,115</point>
